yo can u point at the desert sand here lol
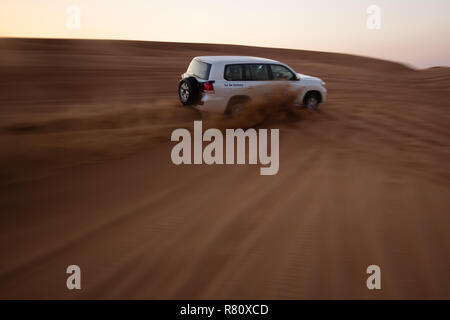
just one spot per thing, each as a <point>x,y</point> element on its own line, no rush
<point>86,179</point>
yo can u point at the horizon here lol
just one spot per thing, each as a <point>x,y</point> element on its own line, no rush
<point>336,28</point>
<point>239,45</point>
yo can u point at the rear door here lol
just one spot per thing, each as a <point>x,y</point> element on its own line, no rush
<point>258,78</point>
<point>233,83</point>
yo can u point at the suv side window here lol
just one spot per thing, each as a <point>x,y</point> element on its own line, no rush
<point>234,72</point>
<point>257,72</point>
<point>281,72</point>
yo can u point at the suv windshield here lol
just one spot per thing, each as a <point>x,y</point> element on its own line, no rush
<point>199,69</point>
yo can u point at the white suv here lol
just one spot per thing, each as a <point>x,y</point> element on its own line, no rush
<point>226,83</point>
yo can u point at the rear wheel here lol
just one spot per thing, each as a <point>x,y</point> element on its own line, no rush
<point>188,91</point>
<point>236,105</point>
<point>236,109</point>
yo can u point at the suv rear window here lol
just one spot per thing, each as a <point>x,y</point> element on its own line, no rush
<point>199,69</point>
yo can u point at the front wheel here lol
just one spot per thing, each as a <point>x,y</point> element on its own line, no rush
<point>312,101</point>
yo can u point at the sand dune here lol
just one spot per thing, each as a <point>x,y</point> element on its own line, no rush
<point>86,179</point>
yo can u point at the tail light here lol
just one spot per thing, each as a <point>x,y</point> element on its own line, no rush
<point>208,87</point>
<point>182,76</point>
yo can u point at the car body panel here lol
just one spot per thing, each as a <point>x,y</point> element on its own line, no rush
<point>224,89</point>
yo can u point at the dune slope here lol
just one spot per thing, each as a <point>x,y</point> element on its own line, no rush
<point>87,180</point>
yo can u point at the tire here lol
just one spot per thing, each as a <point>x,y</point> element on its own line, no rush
<point>236,105</point>
<point>188,91</point>
<point>236,109</point>
<point>312,101</point>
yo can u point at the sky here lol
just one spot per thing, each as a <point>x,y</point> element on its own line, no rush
<point>416,32</point>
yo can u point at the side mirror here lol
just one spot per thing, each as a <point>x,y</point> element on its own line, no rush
<point>297,76</point>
